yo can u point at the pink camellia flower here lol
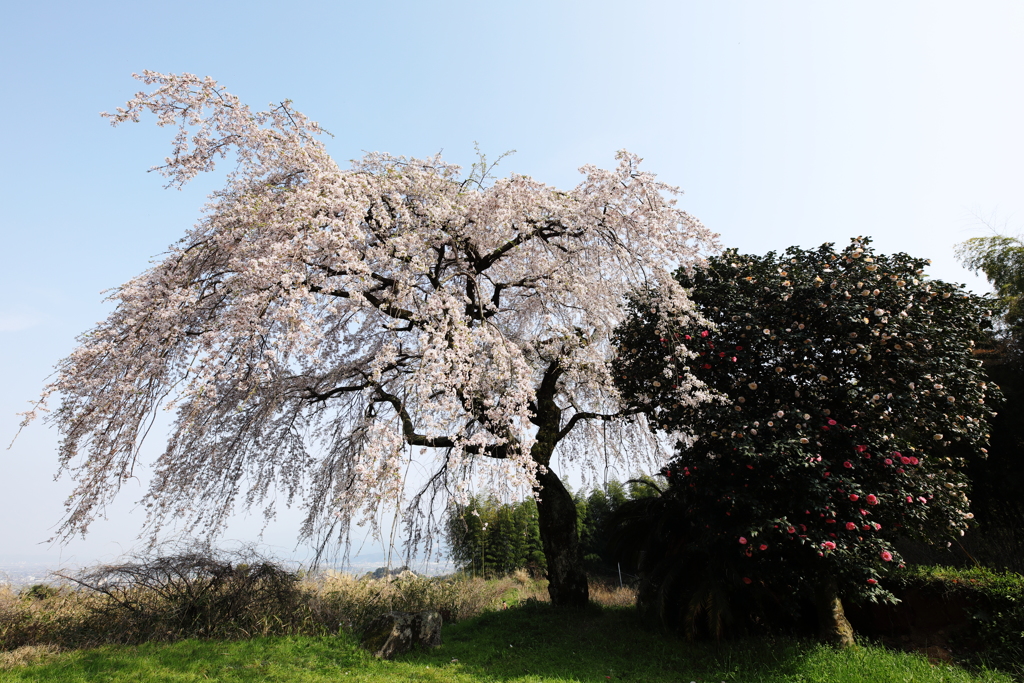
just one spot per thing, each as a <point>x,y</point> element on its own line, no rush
<point>854,497</point>
<point>743,541</point>
<point>886,555</point>
<point>864,512</point>
<point>791,530</point>
<point>832,423</point>
<point>888,461</point>
<point>905,460</point>
<point>848,464</point>
<point>872,499</point>
<point>876,525</point>
<point>900,470</point>
<point>860,449</point>
<point>763,547</point>
<point>910,499</point>
<point>913,460</point>
<point>922,499</point>
<point>850,526</point>
<point>747,581</point>
<point>872,581</point>
<point>704,333</point>
<point>897,454</point>
<point>828,545</point>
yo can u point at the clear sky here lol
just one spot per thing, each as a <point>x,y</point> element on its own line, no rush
<point>785,123</point>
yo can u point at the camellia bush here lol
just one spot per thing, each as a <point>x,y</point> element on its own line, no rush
<point>850,401</point>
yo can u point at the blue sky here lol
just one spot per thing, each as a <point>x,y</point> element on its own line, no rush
<point>784,123</point>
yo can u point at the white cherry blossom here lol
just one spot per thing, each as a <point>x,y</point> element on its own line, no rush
<point>319,324</point>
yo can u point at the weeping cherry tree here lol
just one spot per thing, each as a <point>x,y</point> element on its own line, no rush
<point>320,327</point>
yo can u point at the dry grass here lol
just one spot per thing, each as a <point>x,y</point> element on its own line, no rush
<point>343,601</point>
<point>611,595</point>
<point>26,655</point>
<point>133,603</point>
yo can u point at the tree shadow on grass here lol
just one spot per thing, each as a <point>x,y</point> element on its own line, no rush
<point>602,644</point>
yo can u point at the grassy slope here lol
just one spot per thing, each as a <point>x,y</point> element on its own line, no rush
<point>532,643</point>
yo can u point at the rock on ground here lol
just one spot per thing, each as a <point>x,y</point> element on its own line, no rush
<point>396,633</point>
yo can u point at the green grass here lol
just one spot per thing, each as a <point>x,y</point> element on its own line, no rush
<point>531,644</point>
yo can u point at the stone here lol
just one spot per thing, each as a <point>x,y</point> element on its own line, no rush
<point>396,633</point>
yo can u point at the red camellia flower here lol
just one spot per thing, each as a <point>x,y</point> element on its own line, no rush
<point>832,423</point>
<point>854,497</point>
<point>850,526</point>
<point>747,581</point>
<point>872,499</point>
<point>860,449</point>
<point>905,460</point>
<point>791,530</point>
<point>848,464</point>
<point>828,545</point>
<point>763,547</point>
<point>872,581</point>
<point>704,333</point>
<point>886,555</point>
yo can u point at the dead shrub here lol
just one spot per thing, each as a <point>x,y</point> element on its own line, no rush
<point>194,593</point>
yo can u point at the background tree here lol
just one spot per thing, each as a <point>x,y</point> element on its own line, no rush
<point>853,400</point>
<point>319,326</point>
<point>996,482</point>
<point>1001,259</point>
<point>487,537</point>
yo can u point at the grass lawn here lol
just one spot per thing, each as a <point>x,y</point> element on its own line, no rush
<point>532,643</point>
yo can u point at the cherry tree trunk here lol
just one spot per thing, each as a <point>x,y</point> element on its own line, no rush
<point>567,582</point>
<point>834,627</point>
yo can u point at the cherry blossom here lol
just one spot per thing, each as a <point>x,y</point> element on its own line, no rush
<point>322,327</point>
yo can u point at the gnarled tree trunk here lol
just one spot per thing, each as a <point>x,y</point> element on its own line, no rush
<point>834,627</point>
<point>567,582</point>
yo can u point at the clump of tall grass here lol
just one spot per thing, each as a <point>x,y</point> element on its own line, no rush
<point>352,603</point>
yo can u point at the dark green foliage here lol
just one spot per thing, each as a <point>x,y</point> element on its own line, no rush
<point>995,607</point>
<point>997,483</point>
<point>40,591</point>
<point>594,512</point>
<point>1001,259</point>
<point>852,402</point>
<point>491,538</point>
<point>488,538</point>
